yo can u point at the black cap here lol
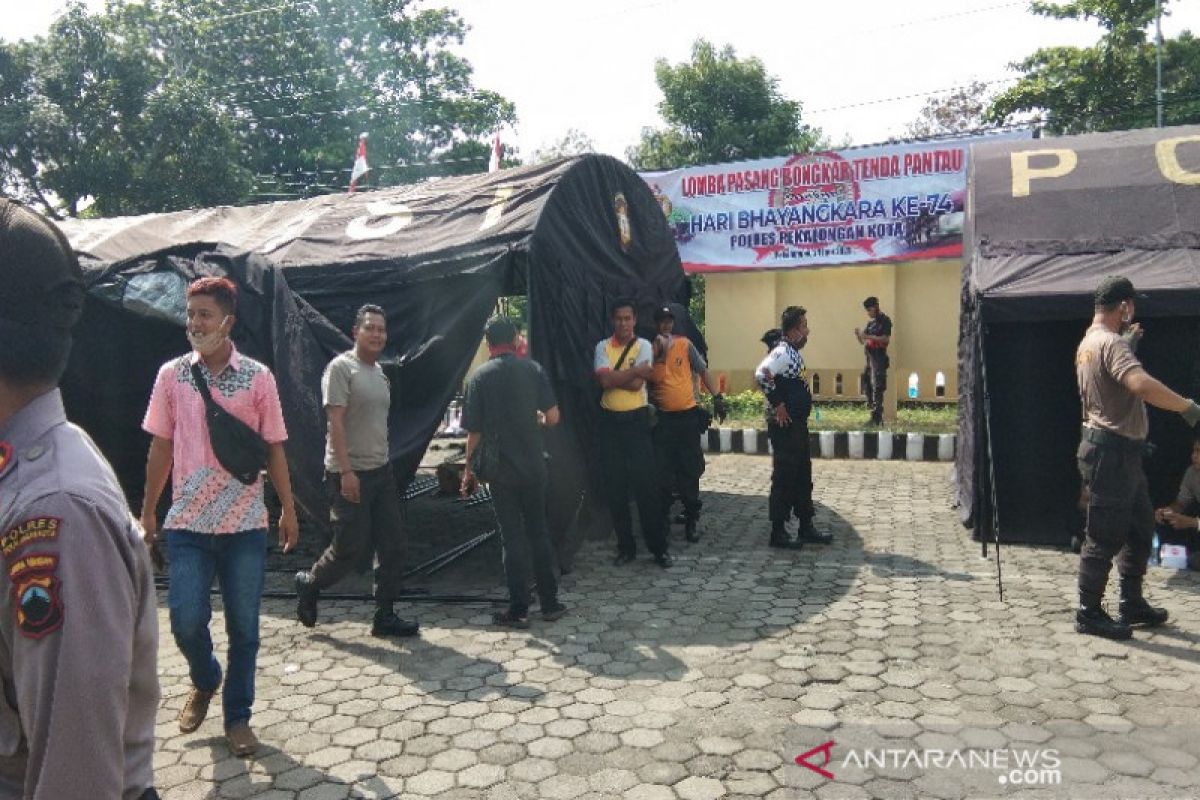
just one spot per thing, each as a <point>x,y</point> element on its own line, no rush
<point>40,279</point>
<point>871,302</point>
<point>662,312</point>
<point>1114,289</point>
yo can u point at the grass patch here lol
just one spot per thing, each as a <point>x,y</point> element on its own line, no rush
<point>746,411</point>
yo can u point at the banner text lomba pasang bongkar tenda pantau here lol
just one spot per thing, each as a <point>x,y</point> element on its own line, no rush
<point>883,203</point>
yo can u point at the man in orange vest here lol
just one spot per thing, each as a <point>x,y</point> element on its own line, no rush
<point>680,460</point>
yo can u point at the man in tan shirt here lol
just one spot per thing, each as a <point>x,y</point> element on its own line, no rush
<point>1113,390</point>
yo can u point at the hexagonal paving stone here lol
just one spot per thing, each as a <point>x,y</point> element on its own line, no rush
<point>531,770</point>
<point>642,737</point>
<point>563,787</point>
<point>649,791</point>
<point>429,783</point>
<point>481,776</point>
<point>695,788</point>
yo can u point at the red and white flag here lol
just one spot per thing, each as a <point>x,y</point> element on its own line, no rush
<point>494,163</point>
<point>360,162</point>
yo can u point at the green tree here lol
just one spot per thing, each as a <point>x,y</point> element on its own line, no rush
<point>719,107</point>
<point>1111,85</point>
<point>304,79</point>
<point>959,111</point>
<point>572,143</point>
<point>166,104</point>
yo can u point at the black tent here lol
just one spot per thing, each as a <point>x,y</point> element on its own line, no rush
<point>573,234</point>
<point>1046,220</point>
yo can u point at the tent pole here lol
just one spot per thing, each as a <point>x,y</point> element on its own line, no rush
<point>991,461</point>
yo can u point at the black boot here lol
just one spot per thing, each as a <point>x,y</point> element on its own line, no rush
<point>307,595</point>
<point>1134,610</point>
<point>781,539</point>
<point>690,531</point>
<point>388,624</point>
<point>809,533</point>
<point>1096,622</point>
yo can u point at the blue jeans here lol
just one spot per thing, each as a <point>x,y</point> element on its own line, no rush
<point>238,560</point>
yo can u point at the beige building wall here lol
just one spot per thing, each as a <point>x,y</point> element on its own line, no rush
<point>921,297</point>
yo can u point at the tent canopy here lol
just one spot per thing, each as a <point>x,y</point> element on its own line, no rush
<point>1047,219</point>
<point>572,234</point>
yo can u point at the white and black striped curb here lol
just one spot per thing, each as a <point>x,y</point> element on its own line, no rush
<point>882,445</point>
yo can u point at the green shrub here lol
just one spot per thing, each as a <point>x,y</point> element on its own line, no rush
<point>746,410</point>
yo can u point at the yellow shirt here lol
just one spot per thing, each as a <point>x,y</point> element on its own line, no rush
<point>608,352</point>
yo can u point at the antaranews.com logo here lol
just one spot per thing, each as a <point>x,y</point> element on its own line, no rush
<point>1023,767</point>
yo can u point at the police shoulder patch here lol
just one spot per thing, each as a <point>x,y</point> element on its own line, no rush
<point>36,594</point>
<point>34,529</point>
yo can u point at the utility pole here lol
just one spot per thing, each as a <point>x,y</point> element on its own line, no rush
<point>1158,98</point>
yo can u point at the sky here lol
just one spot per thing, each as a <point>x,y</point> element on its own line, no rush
<point>862,69</point>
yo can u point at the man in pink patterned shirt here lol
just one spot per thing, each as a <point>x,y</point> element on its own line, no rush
<point>216,525</point>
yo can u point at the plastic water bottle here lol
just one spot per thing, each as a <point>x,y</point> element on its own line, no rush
<point>912,386</point>
<point>1155,553</point>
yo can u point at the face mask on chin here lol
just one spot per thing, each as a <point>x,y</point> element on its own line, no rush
<point>208,343</point>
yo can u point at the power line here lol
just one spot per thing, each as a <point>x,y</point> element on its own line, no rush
<point>897,98</point>
<point>940,18</point>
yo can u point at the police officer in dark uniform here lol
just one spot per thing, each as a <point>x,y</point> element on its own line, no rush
<point>78,623</point>
<point>875,339</point>
<point>784,379</point>
<point>1113,391</point>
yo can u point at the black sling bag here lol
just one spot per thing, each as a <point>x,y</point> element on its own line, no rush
<point>237,446</point>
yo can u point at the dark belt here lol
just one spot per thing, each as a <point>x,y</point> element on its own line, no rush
<point>682,413</point>
<point>373,471</point>
<point>1103,438</point>
<point>641,412</point>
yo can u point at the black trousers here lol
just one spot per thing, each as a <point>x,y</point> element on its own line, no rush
<point>627,462</point>
<point>679,459</point>
<point>791,473</point>
<point>521,513</point>
<point>1120,517</point>
<point>360,530</point>
<point>874,383</point>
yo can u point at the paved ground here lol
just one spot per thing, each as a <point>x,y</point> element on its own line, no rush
<point>708,680</point>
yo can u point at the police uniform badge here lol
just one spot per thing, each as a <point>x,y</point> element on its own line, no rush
<point>36,595</point>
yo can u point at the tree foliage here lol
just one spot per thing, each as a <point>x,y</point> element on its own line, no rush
<point>572,143</point>
<point>166,104</point>
<point>1111,85</point>
<point>959,111</point>
<point>719,107</point>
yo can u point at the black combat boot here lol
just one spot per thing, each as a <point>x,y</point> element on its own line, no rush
<point>781,539</point>
<point>386,623</point>
<point>809,533</point>
<point>690,531</point>
<point>307,595</point>
<point>1096,622</point>
<point>1134,610</point>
